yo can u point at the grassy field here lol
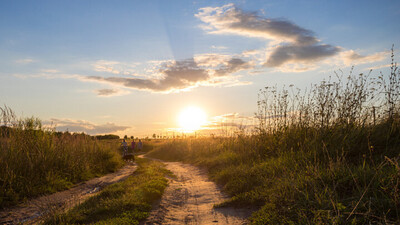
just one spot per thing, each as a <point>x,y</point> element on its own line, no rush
<point>36,161</point>
<point>329,155</point>
<point>127,202</point>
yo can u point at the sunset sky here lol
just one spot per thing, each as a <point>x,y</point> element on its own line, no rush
<point>131,67</point>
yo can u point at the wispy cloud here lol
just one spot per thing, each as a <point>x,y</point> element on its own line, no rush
<point>84,126</point>
<point>231,120</point>
<point>50,75</point>
<point>114,67</point>
<point>25,61</point>
<point>110,92</point>
<point>379,67</point>
<point>351,57</point>
<point>219,47</point>
<point>49,71</point>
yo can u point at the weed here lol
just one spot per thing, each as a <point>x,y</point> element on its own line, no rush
<point>36,161</point>
<point>127,202</point>
<point>327,155</point>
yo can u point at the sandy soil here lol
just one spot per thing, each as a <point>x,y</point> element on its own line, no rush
<point>189,199</point>
<point>32,211</point>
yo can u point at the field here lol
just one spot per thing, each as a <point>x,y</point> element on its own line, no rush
<point>36,161</point>
<point>326,156</point>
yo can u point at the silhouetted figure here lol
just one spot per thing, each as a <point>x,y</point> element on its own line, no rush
<point>140,145</point>
<point>133,145</point>
<point>124,146</point>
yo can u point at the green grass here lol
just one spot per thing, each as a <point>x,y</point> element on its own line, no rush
<point>36,161</point>
<point>127,202</point>
<point>330,156</point>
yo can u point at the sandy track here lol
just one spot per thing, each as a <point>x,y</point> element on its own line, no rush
<point>31,211</point>
<point>189,199</point>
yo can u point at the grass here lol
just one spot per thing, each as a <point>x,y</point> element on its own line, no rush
<point>329,155</point>
<point>36,161</point>
<point>127,202</point>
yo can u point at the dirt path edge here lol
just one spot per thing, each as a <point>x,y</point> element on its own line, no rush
<point>32,211</point>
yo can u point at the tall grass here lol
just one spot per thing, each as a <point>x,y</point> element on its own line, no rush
<point>36,161</point>
<point>327,155</point>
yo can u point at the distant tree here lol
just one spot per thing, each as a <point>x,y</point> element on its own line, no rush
<point>126,136</point>
<point>107,136</point>
<point>154,136</point>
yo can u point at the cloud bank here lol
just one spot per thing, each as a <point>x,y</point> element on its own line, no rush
<point>85,126</point>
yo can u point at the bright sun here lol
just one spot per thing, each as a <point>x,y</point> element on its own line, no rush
<point>192,118</point>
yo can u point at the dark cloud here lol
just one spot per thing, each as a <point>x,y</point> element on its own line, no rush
<point>302,53</point>
<point>232,66</point>
<point>175,75</point>
<point>106,92</point>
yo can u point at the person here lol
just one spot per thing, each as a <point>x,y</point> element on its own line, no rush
<point>124,146</point>
<point>133,146</point>
<point>140,145</point>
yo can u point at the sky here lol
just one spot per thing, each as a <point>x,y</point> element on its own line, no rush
<point>130,67</point>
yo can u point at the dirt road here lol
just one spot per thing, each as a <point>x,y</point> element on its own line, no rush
<point>189,199</point>
<point>30,212</point>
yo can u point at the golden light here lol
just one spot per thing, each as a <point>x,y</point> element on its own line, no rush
<point>192,118</point>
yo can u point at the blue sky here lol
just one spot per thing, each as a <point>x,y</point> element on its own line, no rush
<point>130,67</point>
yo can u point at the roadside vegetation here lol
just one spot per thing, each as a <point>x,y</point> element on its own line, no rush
<point>127,202</point>
<point>327,155</point>
<point>35,160</point>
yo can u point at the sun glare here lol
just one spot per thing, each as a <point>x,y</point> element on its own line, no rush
<point>191,119</point>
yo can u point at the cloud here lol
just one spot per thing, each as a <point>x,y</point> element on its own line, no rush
<point>50,75</point>
<point>291,48</point>
<point>218,47</point>
<point>24,61</point>
<point>110,92</point>
<point>49,71</point>
<point>351,57</point>
<point>106,66</point>
<point>229,19</point>
<point>163,76</point>
<point>300,53</point>
<point>380,67</point>
<point>114,67</point>
<point>175,76</point>
<point>84,126</point>
<point>231,120</point>
<point>232,66</point>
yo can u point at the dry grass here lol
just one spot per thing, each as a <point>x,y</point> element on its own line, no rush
<point>329,155</point>
<point>36,161</point>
